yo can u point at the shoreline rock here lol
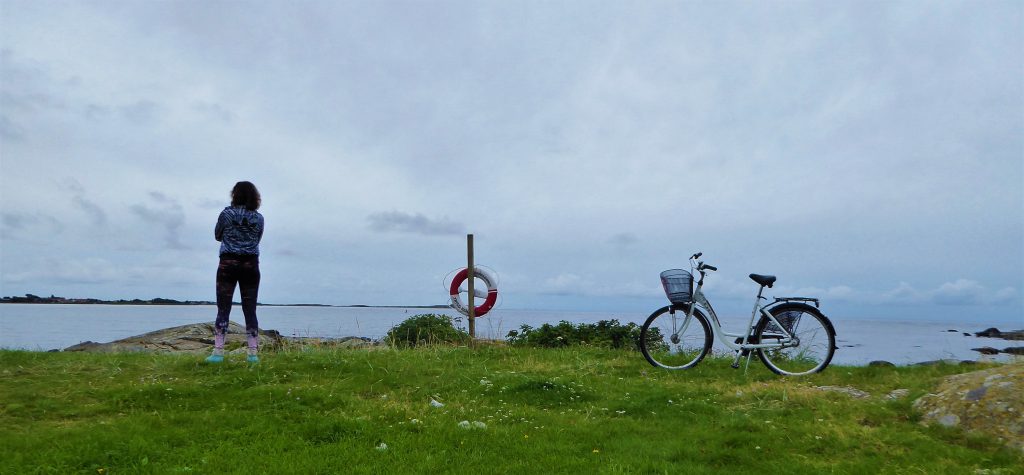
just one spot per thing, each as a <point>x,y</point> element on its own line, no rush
<point>198,338</point>
<point>995,333</point>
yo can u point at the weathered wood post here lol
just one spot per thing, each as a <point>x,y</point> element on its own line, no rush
<point>472,303</point>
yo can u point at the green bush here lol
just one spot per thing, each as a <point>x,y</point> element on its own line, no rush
<point>605,334</point>
<point>426,329</point>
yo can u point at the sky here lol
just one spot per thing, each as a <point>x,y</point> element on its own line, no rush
<point>867,153</point>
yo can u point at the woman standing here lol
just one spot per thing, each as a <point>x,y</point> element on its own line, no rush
<point>239,230</point>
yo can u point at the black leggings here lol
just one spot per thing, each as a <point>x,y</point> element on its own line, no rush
<point>245,271</point>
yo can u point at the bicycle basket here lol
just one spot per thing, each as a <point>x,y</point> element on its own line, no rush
<point>789,320</point>
<point>678,285</point>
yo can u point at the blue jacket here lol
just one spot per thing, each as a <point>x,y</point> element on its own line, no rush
<point>239,231</point>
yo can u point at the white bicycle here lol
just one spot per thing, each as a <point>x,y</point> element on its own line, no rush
<point>791,338</point>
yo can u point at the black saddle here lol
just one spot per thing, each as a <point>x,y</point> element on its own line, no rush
<point>764,280</point>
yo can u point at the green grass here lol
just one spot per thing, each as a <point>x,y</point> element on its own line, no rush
<point>573,410</point>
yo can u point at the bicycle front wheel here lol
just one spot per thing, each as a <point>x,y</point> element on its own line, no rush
<point>669,340</point>
<point>812,347</point>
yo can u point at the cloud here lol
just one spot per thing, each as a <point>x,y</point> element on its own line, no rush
<point>956,293</point>
<point>99,217</point>
<point>141,112</point>
<point>16,225</point>
<point>623,239</point>
<point>167,214</point>
<point>91,270</point>
<point>214,111</point>
<point>210,203</point>
<point>9,130</point>
<point>399,222</point>
<point>572,284</point>
<point>835,292</point>
<point>647,134</point>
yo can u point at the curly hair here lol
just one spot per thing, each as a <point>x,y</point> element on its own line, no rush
<point>245,194</point>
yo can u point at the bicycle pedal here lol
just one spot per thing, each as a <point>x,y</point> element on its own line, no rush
<point>735,366</point>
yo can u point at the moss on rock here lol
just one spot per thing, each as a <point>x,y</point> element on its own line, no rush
<point>990,401</point>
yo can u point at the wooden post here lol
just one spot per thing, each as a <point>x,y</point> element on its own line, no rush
<point>472,294</point>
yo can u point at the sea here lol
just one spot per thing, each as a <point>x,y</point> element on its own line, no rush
<point>44,327</point>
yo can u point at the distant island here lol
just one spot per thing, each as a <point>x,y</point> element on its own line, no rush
<point>53,299</point>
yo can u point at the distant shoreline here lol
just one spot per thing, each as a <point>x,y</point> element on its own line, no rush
<point>54,300</point>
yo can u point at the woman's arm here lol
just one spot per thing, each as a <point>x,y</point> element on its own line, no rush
<point>218,231</point>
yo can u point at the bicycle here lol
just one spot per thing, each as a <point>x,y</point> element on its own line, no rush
<point>792,338</point>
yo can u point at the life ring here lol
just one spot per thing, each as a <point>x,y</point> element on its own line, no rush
<point>492,292</point>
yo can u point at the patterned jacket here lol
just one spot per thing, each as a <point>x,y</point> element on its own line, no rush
<point>239,231</point>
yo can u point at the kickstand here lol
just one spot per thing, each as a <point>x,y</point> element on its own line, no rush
<point>750,354</point>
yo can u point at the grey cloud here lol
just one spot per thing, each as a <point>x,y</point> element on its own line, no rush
<point>210,203</point>
<point>572,284</point>
<point>397,221</point>
<point>96,111</point>
<point>16,225</point>
<point>74,271</point>
<point>214,111</point>
<point>99,217</point>
<point>624,239</point>
<point>9,130</point>
<point>798,137</point>
<point>141,112</point>
<point>962,292</point>
<point>166,214</point>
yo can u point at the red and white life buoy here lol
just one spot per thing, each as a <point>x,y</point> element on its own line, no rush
<point>492,291</point>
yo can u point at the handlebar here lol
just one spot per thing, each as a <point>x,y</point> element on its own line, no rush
<point>701,266</point>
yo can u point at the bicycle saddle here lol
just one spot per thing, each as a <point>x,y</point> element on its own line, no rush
<point>765,280</point>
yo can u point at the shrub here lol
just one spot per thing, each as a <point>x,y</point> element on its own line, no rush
<point>605,334</point>
<point>426,329</point>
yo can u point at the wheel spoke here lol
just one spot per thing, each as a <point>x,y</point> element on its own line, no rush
<point>811,348</point>
<point>667,344</point>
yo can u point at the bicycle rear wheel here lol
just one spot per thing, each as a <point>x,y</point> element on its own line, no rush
<point>667,340</point>
<point>814,340</point>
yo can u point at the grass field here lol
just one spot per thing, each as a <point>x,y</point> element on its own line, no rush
<point>577,410</point>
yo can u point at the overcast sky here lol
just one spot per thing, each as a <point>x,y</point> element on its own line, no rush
<point>869,153</point>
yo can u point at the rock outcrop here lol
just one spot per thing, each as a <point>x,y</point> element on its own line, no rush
<point>989,401</point>
<point>192,338</point>
<point>995,333</point>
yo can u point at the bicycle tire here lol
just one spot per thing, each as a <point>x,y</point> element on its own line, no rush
<point>816,340</point>
<point>680,351</point>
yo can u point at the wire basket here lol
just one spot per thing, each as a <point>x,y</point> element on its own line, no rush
<point>678,285</point>
<point>789,320</point>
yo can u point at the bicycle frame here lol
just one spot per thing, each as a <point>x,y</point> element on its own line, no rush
<point>728,337</point>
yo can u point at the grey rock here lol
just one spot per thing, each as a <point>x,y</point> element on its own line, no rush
<point>989,333</point>
<point>937,362</point>
<point>976,394</point>
<point>881,363</point>
<point>1015,350</point>
<point>192,338</point>
<point>849,391</point>
<point>897,394</point>
<point>995,333</point>
<point>986,350</point>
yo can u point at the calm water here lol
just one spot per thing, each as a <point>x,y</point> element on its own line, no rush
<point>45,327</point>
